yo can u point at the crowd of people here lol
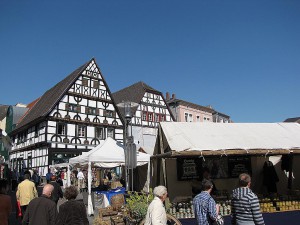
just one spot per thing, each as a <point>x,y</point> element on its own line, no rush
<point>38,203</point>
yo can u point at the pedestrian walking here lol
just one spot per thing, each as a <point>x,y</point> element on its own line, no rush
<point>41,210</point>
<point>57,192</point>
<point>26,192</point>
<point>80,178</point>
<point>245,207</point>
<point>156,213</point>
<point>36,178</point>
<point>5,206</point>
<point>72,212</point>
<point>48,176</point>
<point>205,207</point>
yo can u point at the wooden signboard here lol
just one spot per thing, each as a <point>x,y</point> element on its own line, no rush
<point>189,169</point>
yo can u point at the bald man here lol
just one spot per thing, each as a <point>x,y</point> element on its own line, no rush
<point>41,210</point>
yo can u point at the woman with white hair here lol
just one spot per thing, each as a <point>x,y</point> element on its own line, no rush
<point>156,213</point>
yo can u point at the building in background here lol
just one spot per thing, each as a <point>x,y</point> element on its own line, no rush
<point>72,117</point>
<point>151,110</point>
<point>9,117</point>
<point>185,111</point>
<point>293,120</point>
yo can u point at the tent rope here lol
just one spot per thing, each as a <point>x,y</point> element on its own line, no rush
<point>224,153</point>
<point>267,154</point>
<point>201,156</point>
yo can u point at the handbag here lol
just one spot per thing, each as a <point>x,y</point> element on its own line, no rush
<point>219,220</point>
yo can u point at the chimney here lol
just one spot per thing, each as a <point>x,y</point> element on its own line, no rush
<point>173,96</point>
<point>167,96</point>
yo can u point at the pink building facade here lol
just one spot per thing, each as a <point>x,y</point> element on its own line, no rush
<point>184,111</point>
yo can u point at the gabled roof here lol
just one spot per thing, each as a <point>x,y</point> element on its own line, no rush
<point>295,119</point>
<point>191,105</point>
<point>50,98</point>
<point>133,93</point>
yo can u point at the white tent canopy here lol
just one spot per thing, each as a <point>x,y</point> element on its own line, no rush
<point>108,154</point>
<point>182,136</point>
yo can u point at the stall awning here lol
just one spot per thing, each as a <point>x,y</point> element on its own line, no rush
<point>223,138</point>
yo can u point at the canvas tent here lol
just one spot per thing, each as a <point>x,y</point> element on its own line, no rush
<point>181,139</point>
<point>108,154</point>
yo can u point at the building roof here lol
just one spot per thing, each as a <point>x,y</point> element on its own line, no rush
<point>133,93</point>
<point>295,119</point>
<point>191,105</point>
<point>50,98</point>
<point>3,111</point>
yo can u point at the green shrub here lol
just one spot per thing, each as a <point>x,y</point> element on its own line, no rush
<point>138,203</point>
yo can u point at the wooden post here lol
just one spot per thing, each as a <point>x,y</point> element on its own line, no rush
<point>290,178</point>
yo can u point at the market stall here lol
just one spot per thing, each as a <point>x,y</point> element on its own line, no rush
<point>183,149</point>
<point>109,154</point>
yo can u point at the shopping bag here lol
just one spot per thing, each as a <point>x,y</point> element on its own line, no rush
<point>19,211</point>
<point>219,220</point>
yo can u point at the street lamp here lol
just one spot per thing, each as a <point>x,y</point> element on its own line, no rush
<point>130,147</point>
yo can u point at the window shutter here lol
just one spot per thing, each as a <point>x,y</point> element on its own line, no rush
<point>104,112</point>
<point>86,110</point>
<point>97,111</point>
<point>67,106</point>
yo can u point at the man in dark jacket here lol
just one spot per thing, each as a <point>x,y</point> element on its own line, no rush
<point>57,192</point>
<point>41,210</point>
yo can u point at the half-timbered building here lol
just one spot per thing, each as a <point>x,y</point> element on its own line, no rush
<point>151,110</point>
<point>72,117</point>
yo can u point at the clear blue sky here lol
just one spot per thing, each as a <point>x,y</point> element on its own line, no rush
<point>242,57</point>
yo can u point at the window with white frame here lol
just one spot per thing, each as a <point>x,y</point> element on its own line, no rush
<point>111,132</point>
<point>190,118</point>
<point>81,131</point>
<point>198,118</point>
<point>144,116</point>
<point>100,133</point>
<point>186,116</point>
<point>150,116</point>
<point>61,128</point>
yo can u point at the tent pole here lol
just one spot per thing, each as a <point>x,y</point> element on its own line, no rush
<point>68,176</point>
<point>290,178</point>
<point>90,203</point>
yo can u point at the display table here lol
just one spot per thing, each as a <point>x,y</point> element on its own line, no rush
<point>107,195</point>
<point>276,218</point>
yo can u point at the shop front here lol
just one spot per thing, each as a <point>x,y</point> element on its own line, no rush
<point>268,152</point>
